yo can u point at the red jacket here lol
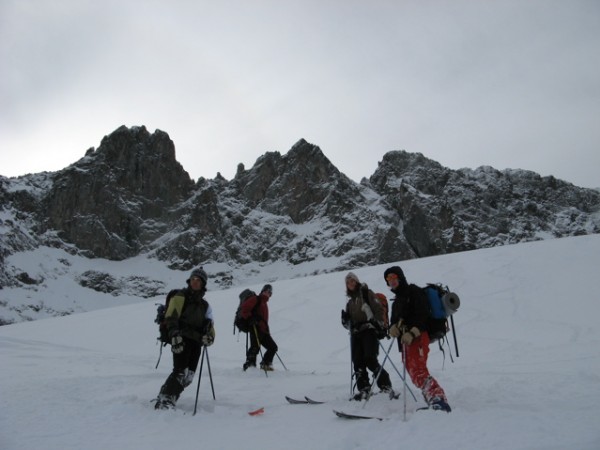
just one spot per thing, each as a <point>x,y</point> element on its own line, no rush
<point>261,314</point>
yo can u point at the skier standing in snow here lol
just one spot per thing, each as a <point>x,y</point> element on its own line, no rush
<point>360,318</point>
<point>256,310</point>
<point>410,312</point>
<point>189,321</point>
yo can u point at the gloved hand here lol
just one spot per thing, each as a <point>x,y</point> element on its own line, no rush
<point>380,330</point>
<point>345,320</point>
<point>208,340</point>
<point>396,329</point>
<point>176,344</point>
<point>410,335</point>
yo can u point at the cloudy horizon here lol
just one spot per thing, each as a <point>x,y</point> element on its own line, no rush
<point>506,84</point>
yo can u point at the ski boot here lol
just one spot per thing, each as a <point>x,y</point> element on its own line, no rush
<point>267,367</point>
<point>165,402</point>
<point>439,404</point>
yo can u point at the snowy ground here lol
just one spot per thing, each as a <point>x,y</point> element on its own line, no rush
<point>528,375</point>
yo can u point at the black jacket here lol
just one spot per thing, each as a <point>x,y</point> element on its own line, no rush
<point>410,305</point>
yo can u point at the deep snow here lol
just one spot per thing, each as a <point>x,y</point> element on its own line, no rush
<point>528,375</point>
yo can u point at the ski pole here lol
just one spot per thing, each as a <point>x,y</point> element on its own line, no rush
<point>199,378</point>
<point>209,372</point>
<point>351,367</point>
<point>279,358</point>
<point>387,354</point>
<point>159,355</point>
<point>398,372</point>
<point>454,334</point>
<point>260,349</point>
<point>404,364</point>
<point>376,376</point>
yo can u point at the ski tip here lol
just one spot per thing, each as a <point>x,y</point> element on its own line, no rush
<point>294,401</point>
<point>257,412</point>
<point>314,402</point>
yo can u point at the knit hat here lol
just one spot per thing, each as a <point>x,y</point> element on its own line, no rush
<point>200,273</point>
<point>267,288</point>
<point>352,276</point>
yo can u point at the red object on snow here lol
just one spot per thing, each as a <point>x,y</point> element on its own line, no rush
<point>257,412</point>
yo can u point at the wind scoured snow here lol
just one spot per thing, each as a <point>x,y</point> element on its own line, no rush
<point>527,376</point>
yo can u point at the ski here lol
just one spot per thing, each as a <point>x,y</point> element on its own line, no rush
<point>344,415</point>
<point>257,412</point>
<point>306,400</point>
<point>391,395</point>
<point>429,408</point>
<point>294,401</point>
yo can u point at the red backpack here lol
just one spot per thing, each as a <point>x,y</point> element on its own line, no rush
<point>382,299</point>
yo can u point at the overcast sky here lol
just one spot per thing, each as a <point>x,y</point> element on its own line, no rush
<point>508,84</point>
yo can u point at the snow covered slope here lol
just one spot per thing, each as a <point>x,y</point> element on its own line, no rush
<point>527,376</point>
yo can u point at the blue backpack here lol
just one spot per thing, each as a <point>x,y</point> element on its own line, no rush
<point>442,304</point>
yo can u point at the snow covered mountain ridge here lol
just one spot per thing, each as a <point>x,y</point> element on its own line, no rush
<point>288,216</point>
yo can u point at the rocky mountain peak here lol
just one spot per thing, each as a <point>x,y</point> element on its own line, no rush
<point>100,202</point>
<point>142,163</point>
<point>131,196</point>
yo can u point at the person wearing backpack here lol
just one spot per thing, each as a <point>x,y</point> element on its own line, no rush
<point>410,314</point>
<point>363,318</point>
<point>255,310</point>
<point>189,322</point>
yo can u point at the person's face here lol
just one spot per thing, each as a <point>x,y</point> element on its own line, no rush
<point>196,283</point>
<point>351,284</point>
<point>392,280</point>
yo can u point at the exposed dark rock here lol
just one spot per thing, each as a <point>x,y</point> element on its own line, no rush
<point>24,278</point>
<point>101,202</point>
<point>130,196</point>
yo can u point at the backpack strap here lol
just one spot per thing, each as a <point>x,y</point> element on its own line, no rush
<point>255,309</point>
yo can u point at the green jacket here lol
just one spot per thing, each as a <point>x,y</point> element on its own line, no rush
<point>189,315</point>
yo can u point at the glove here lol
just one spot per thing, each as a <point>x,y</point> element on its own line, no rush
<point>410,335</point>
<point>380,330</point>
<point>176,344</point>
<point>208,340</point>
<point>345,320</point>
<point>396,329</point>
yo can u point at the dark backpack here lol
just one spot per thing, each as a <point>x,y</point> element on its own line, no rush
<point>245,325</point>
<point>160,318</point>
<point>442,304</point>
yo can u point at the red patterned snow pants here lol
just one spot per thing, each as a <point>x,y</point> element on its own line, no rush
<point>416,366</point>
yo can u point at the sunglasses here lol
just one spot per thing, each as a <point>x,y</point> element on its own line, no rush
<point>391,277</point>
